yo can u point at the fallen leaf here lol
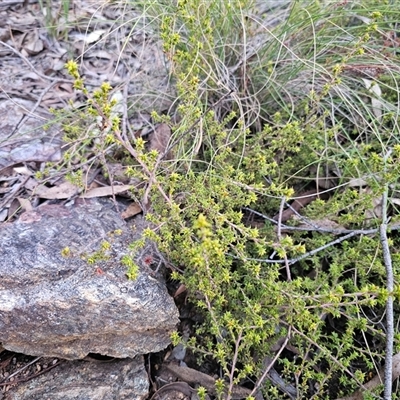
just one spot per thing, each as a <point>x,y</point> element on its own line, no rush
<point>23,171</point>
<point>94,36</point>
<point>29,216</point>
<point>159,138</point>
<point>33,48</point>
<point>31,184</point>
<point>181,289</point>
<point>3,214</point>
<point>25,204</point>
<point>132,210</point>
<point>64,191</point>
<point>105,191</point>
<point>376,210</point>
<point>31,44</point>
<point>374,89</point>
<point>325,224</point>
<point>298,203</point>
<point>355,182</point>
<point>13,209</point>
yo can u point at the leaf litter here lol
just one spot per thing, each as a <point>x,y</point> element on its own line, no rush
<point>34,47</point>
<point>35,44</point>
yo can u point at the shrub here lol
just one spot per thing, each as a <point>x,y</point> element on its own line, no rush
<point>270,115</point>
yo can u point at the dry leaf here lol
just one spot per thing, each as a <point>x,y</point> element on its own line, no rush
<point>355,182</point>
<point>25,204</point>
<point>105,191</point>
<point>34,47</point>
<point>375,89</point>
<point>159,138</point>
<point>31,184</point>
<point>181,289</point>
<point>64,191</point>
<point>23,171</point>
<point>132,210</point>
<point>94,36</point>
<point>325,224</point>
<point>29,216</point>
<point>376,210</point>
<point>395,200</point>
<point>3,214</point>
<point>13,209</point>
<point>300,201</point>
<point>31,44</point>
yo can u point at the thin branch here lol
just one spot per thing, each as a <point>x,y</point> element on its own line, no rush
<point>310,253</point>
<point>271,364</point>
<point>279,236</point>
<point>328,354</point>
<point>350,233</point>
<point>234,361</point>
<point>22,369</point>
<point>29,64</point>
<point>387,259</point>
<point>375,381</point>
<point>315,227</point>
<point>30,377</point>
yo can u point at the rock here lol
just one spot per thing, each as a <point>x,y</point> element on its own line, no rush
<point>64,307</point>
<point>80,380</point>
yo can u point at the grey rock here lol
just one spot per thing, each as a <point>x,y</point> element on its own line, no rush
<point>64,307</point>
<point>80,380</point>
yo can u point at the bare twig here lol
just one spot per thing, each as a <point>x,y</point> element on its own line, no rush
<point>234,361</point>
<point>29,64</point>
<point>37,104</point>
<point>387,259</point>
<point>28,378</point>
<point>328,354</point>
<point>271,364</point>
<point>376,380</point>
<point>349,234</point>
<point>279,235</point>
<point>310,253</point>
<point>312,226</point>
<point>23,368</point>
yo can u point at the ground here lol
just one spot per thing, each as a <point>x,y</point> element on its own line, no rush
<point>112,44</point>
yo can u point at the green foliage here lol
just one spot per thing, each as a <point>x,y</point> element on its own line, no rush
<point>255,128</point>
<point>132,268</point>
<point>224,163</point>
